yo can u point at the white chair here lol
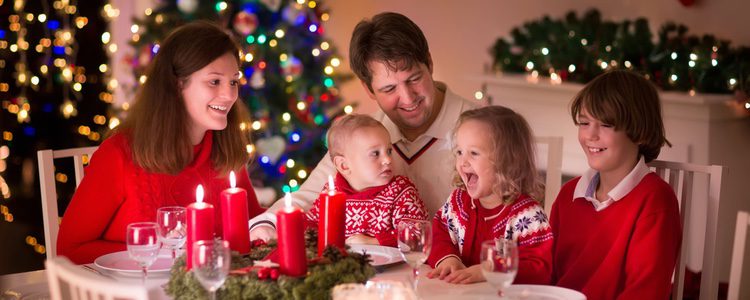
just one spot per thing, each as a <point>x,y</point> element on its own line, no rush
<point>680,177</point>
<point>738,254</point>
<point>553,176</point>
<point>69,281</point>
<point>49,193</point>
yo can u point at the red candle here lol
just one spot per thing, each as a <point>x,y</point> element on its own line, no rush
<point>331,225</point>
<point>234,217</point>
<point>291,240</point>
<point>200,223</point>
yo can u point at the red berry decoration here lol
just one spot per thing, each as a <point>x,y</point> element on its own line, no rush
<point>263,273</point>
<point>258,243</point>
<point>274,274</point>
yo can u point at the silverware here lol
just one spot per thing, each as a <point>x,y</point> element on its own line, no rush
<point>95,271</point>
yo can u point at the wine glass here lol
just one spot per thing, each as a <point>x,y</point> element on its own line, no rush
<point>143,244</point>
<point>211,262</point>
<point>415,241</point>
<point>499,263</point>
<point>172,227</point>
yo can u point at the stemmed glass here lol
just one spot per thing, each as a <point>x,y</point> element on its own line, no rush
<point>499,263</point>
<point>143,244</point>
<point>415,241</point>
<point>211,262</point>
<point>172,227</point>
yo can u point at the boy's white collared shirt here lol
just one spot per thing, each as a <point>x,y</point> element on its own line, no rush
<point>586,186</point>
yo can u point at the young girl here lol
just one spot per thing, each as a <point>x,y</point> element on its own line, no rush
<point>617,227</point>
<point>183,130</point>
<point>496,182</point>
<point>376,199</point>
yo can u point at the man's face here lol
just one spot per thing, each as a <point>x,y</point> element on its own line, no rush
<point>406,96</point>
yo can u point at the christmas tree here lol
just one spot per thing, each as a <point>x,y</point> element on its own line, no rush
<point>289,78</point>
<point>54,89</point>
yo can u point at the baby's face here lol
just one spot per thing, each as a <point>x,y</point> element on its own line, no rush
<point>368,156</point>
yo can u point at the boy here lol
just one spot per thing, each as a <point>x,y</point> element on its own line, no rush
<point>617,228</point>
<point>361,150</point>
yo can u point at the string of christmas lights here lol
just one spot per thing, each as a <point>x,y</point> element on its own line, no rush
<point>52,91</point>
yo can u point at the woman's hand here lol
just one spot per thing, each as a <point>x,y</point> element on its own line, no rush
<point>446,267</point>
<point>468,275</point>
<point>359,238</point>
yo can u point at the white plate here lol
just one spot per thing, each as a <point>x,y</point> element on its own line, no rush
<point>542,292</point>
<point>121,262</point>
<point>380,255</point>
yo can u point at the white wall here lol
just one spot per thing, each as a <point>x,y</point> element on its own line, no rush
<point>461,32</point>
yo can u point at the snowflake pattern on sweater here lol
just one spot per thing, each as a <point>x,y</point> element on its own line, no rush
<point>526,223</point>
<point>376,211</point>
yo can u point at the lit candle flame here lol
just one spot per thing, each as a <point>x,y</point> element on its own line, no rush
<point>199,194</point>
<point>288,200</point>
<point>232,180</point>
<point>331,187</point>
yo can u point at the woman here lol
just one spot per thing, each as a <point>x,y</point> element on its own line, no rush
<point>183,130</point>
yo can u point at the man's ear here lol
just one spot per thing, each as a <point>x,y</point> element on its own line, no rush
<point>429,62</point>
<point>367,89</point>
<point>341,164</point>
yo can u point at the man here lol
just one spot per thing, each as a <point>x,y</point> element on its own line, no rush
<point>391,58</point>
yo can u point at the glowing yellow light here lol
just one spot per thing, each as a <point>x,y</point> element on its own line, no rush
<point>22,115</point>
<point>714,62</point>
<point>732,81</point>
<point>286,117</point>
<point>603,65</point>
<point>103,68</point>
<point>222,6</point>
<point>148,12</point>
<point>673,78</point>
<point>13,48</point>
<point>249,57</point>
<point>324,17</point>
<point>478,95</point>
<point>7,135</point>
<point>106,37</point>
<point>301,105</point>
<point>289,78</point>
<point>67,74</point>
<point>40,249</point>
<point>290,163</point>
<point>312,4</point>
<point>34,80</point>
<point>113,48</point>
<point>673,55</point>
<point>348,109</point>
<point>142,79</point>
<point>125,106</point>
<point>293,183</point>
<point>243,126</point>
<point>60,62</point>
<point>4,87</point>
<point>84,130</point>
<point>301,1</point>
<point>70,9</point>
<point>315,52</point>
<point>283,57</point>
<point>13,109</point>
<point>691,63</point>
<point>584,42</point>
<point>529,65</point>
<point>572,68</point>
<point>81,21</point>
<point>113,122</point>
<point>39,48</point>
<point>693,56</point>
<point>249,148</point>
<point>30,240</point>
<point>22,77</point>
<point>110,11</point>
<point>302,174</point>
<point>60,177</point>
<point>134,28</point>
<point>328,70</point>
<point>4,152</point>
<point>77,86</point>
<point>335,62</point>
<point>273,43</point>
<point>256,125</point>
<point>41,18</point>
<point>136,37</point>
<point>68,109</point>
<point>279,33</point>
<point>324,45</point>
<point>159,19</point>
<point>29,17</point>
<point>99,119</point>
<point>94,136</point>
<point>628,64</point>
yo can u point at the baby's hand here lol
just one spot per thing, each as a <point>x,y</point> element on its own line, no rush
<point>359,238</point>
<point>445,267</point>
<point>468,275</point>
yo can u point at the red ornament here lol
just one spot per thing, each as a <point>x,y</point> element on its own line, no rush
<point>274,274</point>
<point>263,273</point>
<point>258,243</point>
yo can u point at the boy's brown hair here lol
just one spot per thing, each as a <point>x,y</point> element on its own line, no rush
<point>513,155</point>
<point>630,103</point>
<point>157,123</point>
<point>343,128</point>
<point>390,38</point>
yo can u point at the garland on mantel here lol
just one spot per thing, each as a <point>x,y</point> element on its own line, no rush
<point>578,49</point>
<point>247,281</point>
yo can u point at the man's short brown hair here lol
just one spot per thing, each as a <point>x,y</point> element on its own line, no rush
<point>390,38</point>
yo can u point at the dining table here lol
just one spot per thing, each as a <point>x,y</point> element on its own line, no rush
<point>33,285</point>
